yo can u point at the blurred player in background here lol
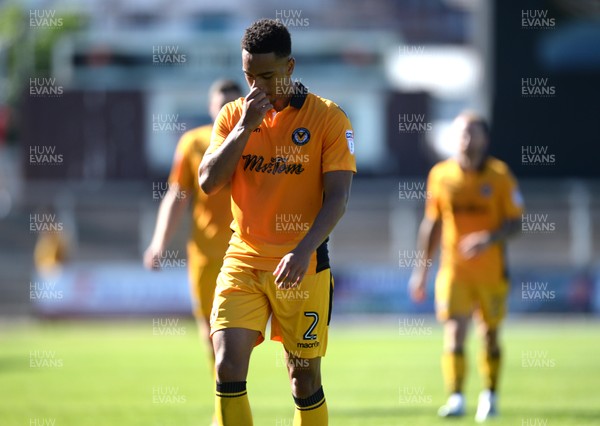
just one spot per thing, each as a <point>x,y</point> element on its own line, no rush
<point>276,265</point>
<point>53,246</point>
<point>211,214</point>
<point>473,207</point>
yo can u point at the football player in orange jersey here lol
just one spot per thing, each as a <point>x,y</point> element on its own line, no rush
<point>473,207</point>
<point>211,215</point>
<point>289,155</point>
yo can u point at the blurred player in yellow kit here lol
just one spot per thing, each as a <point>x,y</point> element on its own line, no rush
<point>289,156</point>
<point>473,207</point>
<point>50,252</point>
<point>211,214</point>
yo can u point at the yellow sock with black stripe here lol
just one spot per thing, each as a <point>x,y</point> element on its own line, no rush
<point>232,407</point>
<point>311,411</point>
<point>453,370</point>
<point>489,367</point>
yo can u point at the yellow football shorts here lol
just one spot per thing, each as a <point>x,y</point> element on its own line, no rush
<point>246,298</point>
<point>203,280</point>
<point>486,300</point>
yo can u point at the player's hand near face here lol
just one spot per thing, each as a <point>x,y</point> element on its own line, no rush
<point>291,269</point>
<point>217,168</point>
<point>474,243</point>
<point>256,105</point>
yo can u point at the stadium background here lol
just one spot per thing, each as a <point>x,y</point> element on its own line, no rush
<point>94,96</point>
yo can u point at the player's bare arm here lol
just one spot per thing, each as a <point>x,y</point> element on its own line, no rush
<point>217,168</point>
<point>293,266</point>
<point>169,216</point>
<point>476,242</point>
<point>428,240</point>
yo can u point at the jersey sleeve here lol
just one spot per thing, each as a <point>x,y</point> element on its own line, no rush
<point>511,200</point>
<point>222,127</point>
<point>432,201</point>
<point>181,171</point>
<point>338,146</point>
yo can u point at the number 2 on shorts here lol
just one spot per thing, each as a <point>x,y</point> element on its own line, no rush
<point>308,335</point>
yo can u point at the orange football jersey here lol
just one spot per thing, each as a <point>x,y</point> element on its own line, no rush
<point>471,201</point>
<point>277,187</point>
<point>211,214</point>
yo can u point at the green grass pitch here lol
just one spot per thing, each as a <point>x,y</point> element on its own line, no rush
<point>376,373</point>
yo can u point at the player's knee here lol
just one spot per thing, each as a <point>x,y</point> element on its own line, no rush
<point>304,381</point>
<point>227,370</point>
<point>454,349</point>
<point>454,339</point>
<point>454,345</point>
<point>491,341</point>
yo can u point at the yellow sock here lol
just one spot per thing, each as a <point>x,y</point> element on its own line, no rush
<point>311,411</point>
<point>489,367</point>
<point>231,404</point>
<point>453,370</point>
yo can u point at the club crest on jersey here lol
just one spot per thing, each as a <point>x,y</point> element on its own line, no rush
<point>300,136</point>
<point>486,190</point>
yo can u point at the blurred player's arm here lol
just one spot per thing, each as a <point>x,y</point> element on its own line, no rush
<point>428,240</point>
<point>511,202</point>
<point>509,229</point>
<point>474,243</point>
<point>217,167</point>
<point>428,236</point>
<point>336,192</point>
<point>170,211</point>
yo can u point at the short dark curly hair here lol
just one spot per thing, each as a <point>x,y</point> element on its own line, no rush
<point>266,36</point>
